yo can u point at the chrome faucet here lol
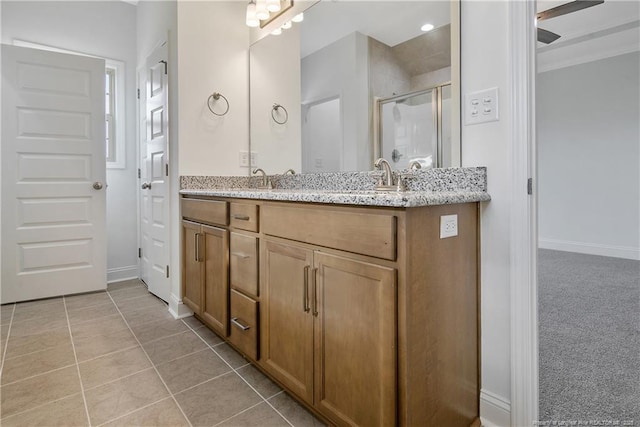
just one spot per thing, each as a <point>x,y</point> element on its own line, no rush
<point>386,180</point>
<point>266,183</point>
<point>415,165</point>
<point>290,171</point>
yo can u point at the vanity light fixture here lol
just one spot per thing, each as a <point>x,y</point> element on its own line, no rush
<point>276,32</point>
<point>252,20</point>
<point>261,10</point>
<point>286,25</point>
<point>273,5</point>
<point>298,18</point>
<point>427,27</point>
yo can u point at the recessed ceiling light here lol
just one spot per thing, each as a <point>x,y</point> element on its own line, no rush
<point>427,27</point>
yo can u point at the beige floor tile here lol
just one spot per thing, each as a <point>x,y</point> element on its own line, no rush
<point>216,400</point>
<point>18,346</point>
<point>231,356</point>
<point>193,322</point>
<point>67,412</point>
<point>36,391</point>
<point>43,323</point>
<point>45,311</point>
<point>6,311</point>
<point>259,381</point>
<point>191,370</point>
<point>146,315</point>
<point>208,335</point>
<point>113,366</point>
<point>128,293</point>
<point>142,302</point>
<point>170,348</point>
<point>82,301</point>
<point>40,302</point>
<point>162,414</point>
<point>37,363</point>
<point>110,401</point>
<point>125,284</point>
<point>261,415</point>
<point>150,331</point>
<point>294,412</point>
<point>4,332</point>
<point>92,313</point>
<point>99,345</point>
<point>103,326</point>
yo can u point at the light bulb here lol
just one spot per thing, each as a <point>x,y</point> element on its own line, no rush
<point>277,31</point>
<point>427,27</point>
<point>298,18</point>
<point>261,10</point>
<point>252,19</point>
<point>273,5</point>
<point>286,25</point>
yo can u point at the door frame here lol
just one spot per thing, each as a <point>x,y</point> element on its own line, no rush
<point>524,223</point>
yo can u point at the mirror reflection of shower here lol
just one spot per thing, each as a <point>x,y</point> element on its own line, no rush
<point>415,127</point>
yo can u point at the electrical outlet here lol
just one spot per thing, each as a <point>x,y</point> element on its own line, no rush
<point>244,159</point>
<point>254,159</point>
<point>448,226</point>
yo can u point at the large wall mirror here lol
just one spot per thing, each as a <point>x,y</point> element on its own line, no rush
<point>357,80</point>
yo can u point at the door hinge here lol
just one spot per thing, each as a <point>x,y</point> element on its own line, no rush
<point>530,186</point>
<point>139,252</point>
<point>166,169</point>
<point>165,66</point>
<point>139,173</point>
<point>138,93</point>
<point>167,271</point>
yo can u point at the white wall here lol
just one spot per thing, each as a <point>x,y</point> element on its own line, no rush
<point>105,29</point>
<point>341,69</point>
<point>275,78</point>
<point>485,63</point>
<point>588,151</point>
<point>213,43</point>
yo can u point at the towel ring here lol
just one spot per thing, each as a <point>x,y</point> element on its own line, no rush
<point>275,109</point>
<point>216,96</point>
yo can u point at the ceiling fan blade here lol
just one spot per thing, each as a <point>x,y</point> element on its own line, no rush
<point>570,7</point>
<point>547,37</point>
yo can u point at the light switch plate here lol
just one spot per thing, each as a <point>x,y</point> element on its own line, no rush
<point>481,107</point>
<point>244,159</point>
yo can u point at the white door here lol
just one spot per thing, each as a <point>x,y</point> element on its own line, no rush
<point>53,174</point>
<point>154,175</point>
<point>322,137</point>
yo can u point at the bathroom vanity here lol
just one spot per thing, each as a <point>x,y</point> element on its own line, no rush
<point>350,300</point>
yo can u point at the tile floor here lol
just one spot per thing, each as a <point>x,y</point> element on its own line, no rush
<point>118,358</point>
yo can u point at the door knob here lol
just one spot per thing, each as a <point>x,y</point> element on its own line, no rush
<point>97,185</point>
<point>146,185</point>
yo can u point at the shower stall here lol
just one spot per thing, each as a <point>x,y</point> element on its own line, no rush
<point>416,126</point>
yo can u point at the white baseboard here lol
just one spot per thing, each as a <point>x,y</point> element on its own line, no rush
<point>122,273</point>
<point>177,308</point>
<point>495,411</point>
<point>627,252</point>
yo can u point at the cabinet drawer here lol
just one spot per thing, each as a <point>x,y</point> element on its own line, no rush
<point>244,216</point>
<point>207,211</point>
<point>244,324</point>
<point>244,263</point>
<point>350,230</point>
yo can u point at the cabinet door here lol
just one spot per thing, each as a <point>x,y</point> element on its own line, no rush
<point>192,271</point>
<point>216,287</point>
<point>355,341</point>
<point>286,323</point>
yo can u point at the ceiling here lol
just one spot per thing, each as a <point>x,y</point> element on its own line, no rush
<point>390,22</point>
<point>605,30</point>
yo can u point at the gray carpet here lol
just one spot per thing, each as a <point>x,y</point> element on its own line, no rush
<point>589,338</point>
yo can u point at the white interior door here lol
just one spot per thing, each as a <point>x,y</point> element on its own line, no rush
<point>53,174</point>
<point>154,176</point>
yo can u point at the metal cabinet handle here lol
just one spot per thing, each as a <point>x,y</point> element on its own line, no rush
<point>241,217</point>
<point>146,185</point>
<point>239,325</point>
<point>240,255</point>
<point>315,291</point>
<point>197,242</point>
<point>305,294</point>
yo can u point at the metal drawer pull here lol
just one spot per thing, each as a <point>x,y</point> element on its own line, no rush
<point>315,292</point>
<point>239,325</point>
<point>240,255</point>
<point>242,217</point>
<point>197,242</point>
<point>305,294</point>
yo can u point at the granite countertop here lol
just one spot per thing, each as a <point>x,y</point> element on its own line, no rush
<point>425,188</point>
